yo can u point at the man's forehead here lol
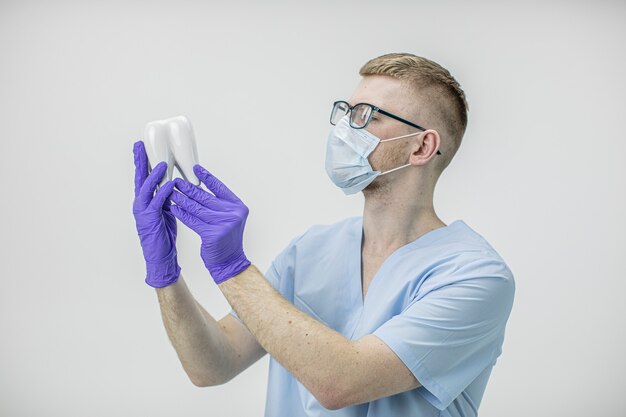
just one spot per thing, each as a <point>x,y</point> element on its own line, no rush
<point>379,90</point>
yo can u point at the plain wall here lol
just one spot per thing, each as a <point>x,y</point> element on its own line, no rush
<point>540,175</point>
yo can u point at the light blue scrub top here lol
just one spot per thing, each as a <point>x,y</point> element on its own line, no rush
<point>440,303</point>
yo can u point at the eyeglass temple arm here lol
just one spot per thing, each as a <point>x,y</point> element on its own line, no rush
<point>400,119</point>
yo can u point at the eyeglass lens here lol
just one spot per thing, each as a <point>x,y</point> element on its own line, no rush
<point>359,116</point>
<point>339,111</point>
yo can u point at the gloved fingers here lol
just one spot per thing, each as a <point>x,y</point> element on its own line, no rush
<point>198,194</point>
<point>192,207</point>
<point>188,220</point>
<point>216,186</point>
<point>161,196</point>
<point>147,189</point>
<point>141,165</point>
<point>166,204</point>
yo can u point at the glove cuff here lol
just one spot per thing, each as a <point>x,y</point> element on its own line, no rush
<point>163,272</point>
<point>226,270</point>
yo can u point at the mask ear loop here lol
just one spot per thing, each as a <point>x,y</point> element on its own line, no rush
<point>395,169</point>
<point>399,137</point>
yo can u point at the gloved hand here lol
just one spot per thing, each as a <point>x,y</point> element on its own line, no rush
<point>218,218</point>
<point>156,225</point>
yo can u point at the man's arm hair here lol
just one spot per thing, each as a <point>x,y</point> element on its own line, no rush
<point>211,352</point>
<point>246,349</point>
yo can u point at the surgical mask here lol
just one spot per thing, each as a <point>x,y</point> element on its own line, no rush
<point>347,150</point>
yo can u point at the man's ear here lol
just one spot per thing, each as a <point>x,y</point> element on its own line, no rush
<point>425,147</point>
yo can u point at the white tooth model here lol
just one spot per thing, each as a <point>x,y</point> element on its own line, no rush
<point>172,140</point>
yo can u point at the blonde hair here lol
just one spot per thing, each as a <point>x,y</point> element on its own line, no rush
<point>440,95</point>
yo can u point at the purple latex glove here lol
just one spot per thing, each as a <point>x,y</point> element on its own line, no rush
<point>218,218</point>
<point>156,225</point>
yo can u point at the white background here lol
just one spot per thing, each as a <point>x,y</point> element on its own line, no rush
<point>540,174</point>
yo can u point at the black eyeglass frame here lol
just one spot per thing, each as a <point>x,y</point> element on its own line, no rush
<point>374,109</point>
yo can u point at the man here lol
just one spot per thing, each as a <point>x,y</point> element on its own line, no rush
<point>393,313</point>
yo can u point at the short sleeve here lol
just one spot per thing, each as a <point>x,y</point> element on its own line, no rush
<point>451,334</point>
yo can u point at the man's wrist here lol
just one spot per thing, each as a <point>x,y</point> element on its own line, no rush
<point>227,270</point>
<point>164,272</point>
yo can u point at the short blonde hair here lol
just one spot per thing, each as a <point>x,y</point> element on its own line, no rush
<point>440,94</point>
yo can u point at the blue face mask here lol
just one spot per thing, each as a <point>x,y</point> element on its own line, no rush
<point>347,150</point>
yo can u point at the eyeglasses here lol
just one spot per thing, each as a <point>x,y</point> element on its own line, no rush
<point>361,115</point>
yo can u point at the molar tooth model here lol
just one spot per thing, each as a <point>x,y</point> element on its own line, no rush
<point>172,140</point>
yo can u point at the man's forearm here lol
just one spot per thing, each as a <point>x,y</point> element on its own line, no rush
<point>201,345</point>
<point>314,353</point>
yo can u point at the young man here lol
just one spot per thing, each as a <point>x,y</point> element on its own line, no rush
<point>392,313</point>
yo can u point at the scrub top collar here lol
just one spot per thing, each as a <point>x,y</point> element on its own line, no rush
<point>422,241</point>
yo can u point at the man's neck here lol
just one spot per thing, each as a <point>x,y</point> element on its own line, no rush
<point>393,217</point>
